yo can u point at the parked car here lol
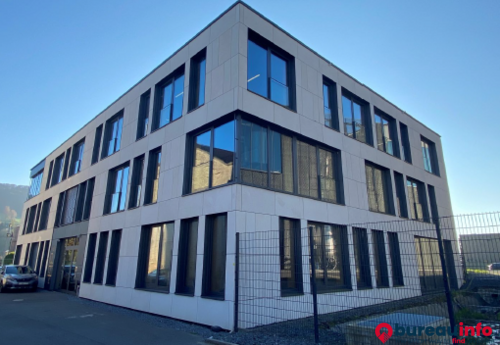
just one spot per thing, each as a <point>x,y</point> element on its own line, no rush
<point>494,267</point>
<point>18,277</point>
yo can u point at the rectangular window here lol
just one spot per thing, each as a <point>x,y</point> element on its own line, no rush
<point>97,144</point>
<point>214,258</point>
<point>254,149</point>
<point>155,257</point>
<point>26,254</point>
<point>67,162</point>
<point>417,198</point>
<point>357,123</point>
<point>395,252</point>
<point>44,259</point>
<point>136,183</point>
<point>330,104</point>
<point>116,193</point>
<point>380,259</point>
<point>17,256</point>
<point>387,135</point>
<point>57,173</point>
<point>88,199</point>
<point>101,257</point>
<point>31,216</point>
<point>430,156</point>
<point>290,257</point>
<point>169,96</point>
<point>114,254</point>
<point>44,216</point>
<point>362,258</point>
<point>37,218</point>
<point>76,158</point>
<point>213,158</point>
<point>69,206</point>
<point>405,143</point>
<point>379,188</point>
<point>307,169</point>
<point>49,176</point>
<point>271,71</point>
<point>89,260</point>
<point>429,264</point>
<point>186,268</point>
<point>400,195</point>
<point>143,118</point>
<point>112,135</point>
<point>39,258</point>
<point>197,80</point>
<point>331,257</point>
<point>433,203</point>
<point>33,255</point>
<point>153,177</point>
<point>35,184</point>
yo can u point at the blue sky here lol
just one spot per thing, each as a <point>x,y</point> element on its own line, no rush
<point>62,62</point>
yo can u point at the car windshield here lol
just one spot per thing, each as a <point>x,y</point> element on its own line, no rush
<point>18,270</point>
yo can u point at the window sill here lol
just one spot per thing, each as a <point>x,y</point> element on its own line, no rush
<point>324,291</point>
<point>74,174</point>
<point>110,285</point>
<point>95,283</point>
<point>209,189</point>
<point>398,286</point>
<point>149,204</point>
<point>384,213</point>
<point>184,294</point>
<point>139,139</point>
<point>165,125</point>
<point>87,283</point>
<point>429,172</point>
<point>383,287</point>
<point>111,213</point>
<point>362,142</point>
<point>387,153</point>
<point>364,288</point>
<point>214,298</point>
<point>333,129</point>
<point>166,292</point>
<point>102,158</point>
<point>285,294</point>
<point>270,100</point>
<point>134,208</point>
<point>194,109</point>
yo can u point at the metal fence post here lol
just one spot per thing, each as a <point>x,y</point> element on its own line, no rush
<point>236,282</point>
<point>313,285</point>
<point>447,291</point>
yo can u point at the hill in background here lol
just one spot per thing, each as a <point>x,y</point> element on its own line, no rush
<point>12,198</point>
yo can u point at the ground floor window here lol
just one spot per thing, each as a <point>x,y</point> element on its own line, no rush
<point>429,264</point>
<point>290,257</point>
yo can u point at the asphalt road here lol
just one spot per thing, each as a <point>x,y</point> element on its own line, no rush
<point>48,318</point>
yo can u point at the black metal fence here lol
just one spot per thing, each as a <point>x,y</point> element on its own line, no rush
<point>335,284</point>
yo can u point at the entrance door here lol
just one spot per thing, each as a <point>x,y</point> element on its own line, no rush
<point>68,270</point>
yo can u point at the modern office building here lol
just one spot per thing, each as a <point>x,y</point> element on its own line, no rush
<point>242,129</point>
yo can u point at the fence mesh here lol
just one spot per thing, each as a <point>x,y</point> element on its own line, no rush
<point>336,283</point>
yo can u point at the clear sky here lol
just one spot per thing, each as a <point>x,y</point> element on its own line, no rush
<point>62,62</point>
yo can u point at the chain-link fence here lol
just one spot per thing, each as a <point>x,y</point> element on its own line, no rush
<point>333,283</point>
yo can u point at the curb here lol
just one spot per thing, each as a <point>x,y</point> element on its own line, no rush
<point>218,342</point>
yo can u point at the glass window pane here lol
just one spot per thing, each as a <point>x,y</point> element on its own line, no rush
<point>123,189</point>
<point>152,269</point>
<point>201,89</point>
<point>347,113</point>
<point>254,154</point>
<point>223,154</point>
<point>327,176</point>
<point>307,170</point>
<point>165,263</point>
<point>290,256</point>
<point>279,93</point>
<point>201,163</point>
<point>178,97</point>
<point>119,126</point>
<point>278,69</point>
<point>281,162</point>
<point>359,130</point>
<point>167,95</point>
<point>257,69</point>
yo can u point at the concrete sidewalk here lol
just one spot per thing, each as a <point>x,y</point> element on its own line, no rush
<point>48,318</point>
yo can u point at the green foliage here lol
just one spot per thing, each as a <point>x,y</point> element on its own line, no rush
<point>9,259</point>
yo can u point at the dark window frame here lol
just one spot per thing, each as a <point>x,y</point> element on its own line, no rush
<point>113,258</point>
<point>362,258</point>
<point>158,98</point>
<point>208,257</point>
<point>87,188</point>
<point>118,118</point>
<point>97,144</point>
<point>136,183</point>
<point>49,176</point>
<point>405,143</point>
<point>111,187</point>
<point>154,156</point>
<point>395,254</point>
<point>58,170</point>
<point>393,133</point>
<point>89,259</point>
<point>44,259</point>
<point>44,216</point>
<point>365,114</point>
<point>195,78</point>
<point>67,163</point>
<point>76,160</point>
<point>143,115</point>
<point>296,262</point>
<point>100,260</point>
<point>402,207</point>
<point>433,161</point>
<point>332,102</point>
<point>381,268</point>
<point>182,286</point>
<point>35,184</point>
<point>273,49</point>
<point>387,188</point>
<point>422,197</point>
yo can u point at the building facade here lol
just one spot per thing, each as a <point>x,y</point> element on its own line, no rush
<point>243,129</point>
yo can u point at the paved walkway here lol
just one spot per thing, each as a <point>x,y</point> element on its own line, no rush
<point>48,318</point>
